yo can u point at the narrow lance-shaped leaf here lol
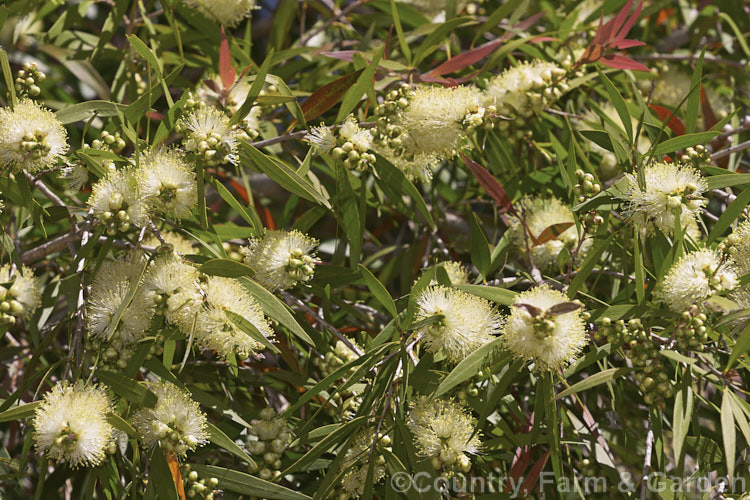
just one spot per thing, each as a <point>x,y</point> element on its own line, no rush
<point>328,95</point>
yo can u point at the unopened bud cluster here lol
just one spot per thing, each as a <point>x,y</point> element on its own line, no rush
<point>116,218</point>
<point>198,487</point>
<point>267,440</point>
<point>691,333</point>
<point>586,187</point>
<point>20,294</point>
<point>697,156</point>
<point>345,402</point>
<point>109,141</point>
<point>207,134</point>
<point>27,79</point>
<point>639,347</point>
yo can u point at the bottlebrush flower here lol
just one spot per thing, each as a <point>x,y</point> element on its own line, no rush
<point>228,13</point>
<point>231,101</point>
<point>540,214</point>
<point>180,245</point>
<point>214,328</point>
<point>20,294</point>
<point>419,166</point>
<point>172,286</point>
<point>433,120</point>
<point>74,176</point>
<point>696,277</point>
<point>525,89</point>
<point>458,274</point>
<point>31,137</point>
<point>207,134</point>
<point>109,290</point>
<point>349,143</point>
<point>117,203</point>
<point>444,431</point>
<point>167,181</point>
<point>468,322</point>
<point>738,246</point>
<point>670,189</point>
<point>545,328</point>
<point>71,424</point>
<point>356,464</point>
<point>176,422</point>
<point>281,259</point>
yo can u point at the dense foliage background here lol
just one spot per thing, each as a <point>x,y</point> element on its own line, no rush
<point>587,174</point>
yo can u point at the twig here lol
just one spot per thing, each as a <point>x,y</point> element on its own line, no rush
<point>726,152</point>
<point>319,319</point>
<point>647,459</point>
<point>688,57</point>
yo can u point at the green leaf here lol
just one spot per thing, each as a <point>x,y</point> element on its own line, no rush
<point>495,294</point>
<point>396,184</point>
<point>592,258</point>
<point>437,36</point>
<point>250,329</point>
<point>160,481</point>
<point>619,103</point>
<point>282,174</point>
<point>8,75</point>
<point>85,110</point>
<point>217,437</point>
<point>682,142</point>
<point>694,98</point>
<point>480,248</point>
<point>255,88</point>
<point>227,268</point>
<point>681,416</point>
<point>20,412</point>
<point>728,431</point>
<point>128,388</point>
<point>337,436</point>
<point>727,180</point>
<point>379,291</point>
<point>276,309</point>
<point>731,213</point>
<point>487,355</point>
<point>399,33</point>
<point>740,347</point>
<point>246,212</point>
<point>121,424</point>
<point>239,482</point>
<point>594,380</point>
<point>364,82</point>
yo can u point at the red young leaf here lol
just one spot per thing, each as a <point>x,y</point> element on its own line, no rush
<point>517,470</point>
<point>464,59</point>
<point>226,71</point>
<point>328,95</point>
<point>619,20</point>
<point>626,44</point>
<point>621,62</point>
<point>342,55</point>
<point>539,39</point>
<point>675,124</point>
<point>552,232</point>
<point>629,24</point>
<point>532,478</point>
<point>491,185</point>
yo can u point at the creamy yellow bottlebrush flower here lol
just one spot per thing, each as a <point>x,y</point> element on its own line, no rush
<point>419,166</point>
<point>20,293</point>
<point>356,465</point>
<point>172,286</point>
<point>281,259</point>
<point>232,101</point>
<point>71,424</point>
<point>74,176</point>
<point>696,277</point>
<point>525,89</point>
<point>109,290</point>
<point>207,134</point>
<point>215,330</point>
<point>444,431</point>
<point>468,322</point>
<point>117,203</point>
<point>31,137</point>
<point>176,422</point>
<point>228,13</point>
<point>433,120</point>
<point>545,328</point>
<point>738,246</point>
<point>167,181</point>
<point>457,273</point>
<point>670,190</point>
<point>541,213</point>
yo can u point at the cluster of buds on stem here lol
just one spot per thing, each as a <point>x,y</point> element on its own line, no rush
<point>691,333</point>
<point>27,79</point>
<point>639,347</point>
<point>113,142</point>
<point>345,401</point>
<point>268,439</point>
<point>697,156</point>
<point>197,487</point>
